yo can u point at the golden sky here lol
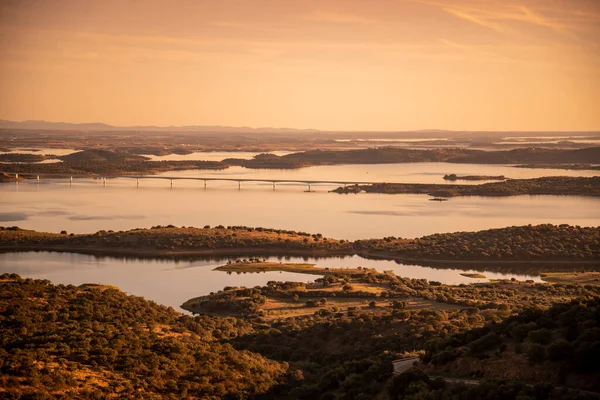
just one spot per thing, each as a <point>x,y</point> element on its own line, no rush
<point>325,64</point>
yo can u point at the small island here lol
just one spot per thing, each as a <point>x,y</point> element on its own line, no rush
<point>257,265</point>
<point>454,177</point>
<point>475,276</point>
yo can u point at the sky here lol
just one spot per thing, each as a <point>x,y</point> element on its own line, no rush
<point>529,65</point>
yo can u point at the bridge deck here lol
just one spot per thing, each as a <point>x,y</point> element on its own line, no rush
<point>201,178</point>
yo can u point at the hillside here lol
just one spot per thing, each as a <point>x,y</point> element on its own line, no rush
<point>95,341</point>
<point>559,345</point>
<point>98,155</point>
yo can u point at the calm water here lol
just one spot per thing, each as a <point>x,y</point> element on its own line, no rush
<point>399,173</point>
<point>87,206</point>
<point>42,151</point>
<point>173,282</point>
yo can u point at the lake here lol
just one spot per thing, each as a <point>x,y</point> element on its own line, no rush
<point>88,206</point>
<point>172,282</point>
<point>397,173</point>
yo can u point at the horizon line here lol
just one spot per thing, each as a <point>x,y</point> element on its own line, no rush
<point>315,130</point>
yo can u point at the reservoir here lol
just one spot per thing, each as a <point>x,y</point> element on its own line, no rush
<point>171,282</point>
<point>88,206</point>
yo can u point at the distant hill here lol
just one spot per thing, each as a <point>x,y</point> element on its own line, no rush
<point>99,155</point>
<point>436,133</point>
<point>98,126</point>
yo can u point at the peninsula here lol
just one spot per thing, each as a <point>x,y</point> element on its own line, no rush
<point>520,245</point>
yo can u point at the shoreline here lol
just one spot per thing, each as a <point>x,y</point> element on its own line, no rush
<point>247,251</point>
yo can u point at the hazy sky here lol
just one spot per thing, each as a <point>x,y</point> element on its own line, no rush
<point>327,64</point>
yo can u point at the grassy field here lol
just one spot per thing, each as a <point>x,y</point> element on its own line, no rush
<point>584,278</point>
<point>241,267</point>
<point>338,290</point>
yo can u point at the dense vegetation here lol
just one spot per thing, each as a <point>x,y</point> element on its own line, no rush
<point>346,352</point>
<point>98,155</point>
<point>125,167</point>
<point>553,185</point>
<point>23,157</point>
<point>541,242</point>
<point>91,341</point>
<point>559,345</point>
<point>95,341</point>
<point>335,288</point>
<point>565,243</point>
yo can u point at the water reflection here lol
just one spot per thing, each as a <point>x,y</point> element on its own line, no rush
<point>88,206</point>
<point>172,282</point>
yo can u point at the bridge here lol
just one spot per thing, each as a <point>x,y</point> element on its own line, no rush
<point>193,178</point>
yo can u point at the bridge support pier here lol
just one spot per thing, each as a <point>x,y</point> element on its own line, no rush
<point>38,179</point>
<point>239,185</point>
<point>171,183</point>
<point>309,186</point>
<point>273,186</point>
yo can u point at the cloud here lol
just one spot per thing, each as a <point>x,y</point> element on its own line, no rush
<point>505,17</point>
<point>339,18</point>
<point>103,217</point>
<point>15,216</point>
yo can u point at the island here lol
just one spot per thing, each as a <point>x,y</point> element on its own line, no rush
<point>554,185</point>
<point>474,275</point>
<point>454,177</point>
